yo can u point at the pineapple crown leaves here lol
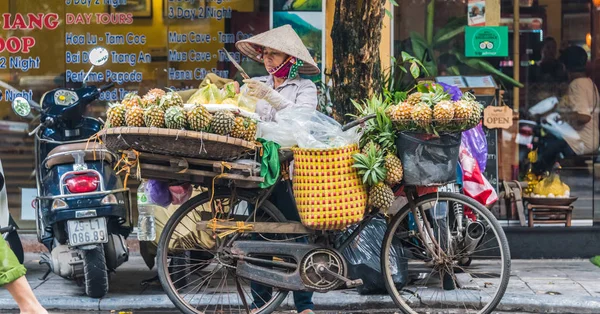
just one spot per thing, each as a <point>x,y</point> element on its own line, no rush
<point>370,166</point>
<point>370,106</point>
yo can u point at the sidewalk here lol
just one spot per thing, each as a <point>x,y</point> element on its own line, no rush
<point>537,286</point>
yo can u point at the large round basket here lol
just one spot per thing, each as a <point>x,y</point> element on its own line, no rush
<point>177,143</point>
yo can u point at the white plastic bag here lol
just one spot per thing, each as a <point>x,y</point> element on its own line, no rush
<point>559,128</point>
<point>307,128</point>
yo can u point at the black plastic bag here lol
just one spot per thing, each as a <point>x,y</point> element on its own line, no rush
<point>363,256</point>
<point>428,160</point>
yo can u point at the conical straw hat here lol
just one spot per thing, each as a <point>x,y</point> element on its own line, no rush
<point>284,39</point>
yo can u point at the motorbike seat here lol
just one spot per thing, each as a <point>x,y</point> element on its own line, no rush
<point>60,154</point>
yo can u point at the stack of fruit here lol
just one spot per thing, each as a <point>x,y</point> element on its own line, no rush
<point>162,109</point>
<point>434,112</point>
<point>377,163</point>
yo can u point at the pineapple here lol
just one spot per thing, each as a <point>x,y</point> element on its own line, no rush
<point>371,167</point>
<point>380,131</point>
<point>135,116</point>
<point>381,196</point>
<point>154,117</point>
<point>422,115</point>
<point>156,92</point>
<point>175,118</point>
<point>462,111</point>
<point>367,146</point>
<point>152,97</point>
<point>239,127</point>
<point>169,100</point>
<point>199,118</point>
<point>250,133</point>
<point>401,114</point>
<point>414,99</point>
<point>222,122</point>
<point>475,115</point>
<point>443,112</point>
<point>132,100</point>
<point>116,115</point>
<point>393,167</point>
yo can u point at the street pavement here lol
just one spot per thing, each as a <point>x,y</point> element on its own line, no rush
<point>536,286</point>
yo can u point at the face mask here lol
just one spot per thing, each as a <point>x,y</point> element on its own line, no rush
<point>288,69</point>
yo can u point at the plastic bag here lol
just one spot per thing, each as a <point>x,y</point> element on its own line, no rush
<point>180,193</point>
<point>209,94</point>
<point>428,160</point>
<point>474,140</point>
<point>475,185</point>
<point>559,128</point>
<point>245,101</point>
<point>307,128</point>
<point>158,193</point>
<point>363,256</point>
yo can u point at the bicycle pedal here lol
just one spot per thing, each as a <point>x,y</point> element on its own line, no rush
<point>354,283</point>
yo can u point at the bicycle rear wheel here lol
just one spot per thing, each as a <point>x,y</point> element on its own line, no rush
<point>428,241</point>
<point>193,266</point>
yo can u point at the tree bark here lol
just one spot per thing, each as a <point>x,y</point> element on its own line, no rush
<point>356,35</point>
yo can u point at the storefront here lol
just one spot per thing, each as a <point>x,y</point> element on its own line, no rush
<point>174,44</point>
<point>546,29</point>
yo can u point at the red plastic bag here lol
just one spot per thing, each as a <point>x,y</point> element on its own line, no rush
<point>180,193</point>
<point>475,185</point>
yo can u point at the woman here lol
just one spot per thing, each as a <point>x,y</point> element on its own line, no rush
<point>285,57</point>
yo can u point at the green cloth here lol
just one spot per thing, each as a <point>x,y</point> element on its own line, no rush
<point>10,268</point>
<point>269,164</point>
<point>595,260</point>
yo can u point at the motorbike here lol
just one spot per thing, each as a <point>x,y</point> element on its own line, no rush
<point>536,118</point>
<point>83,211</point>
<point>8,227</point>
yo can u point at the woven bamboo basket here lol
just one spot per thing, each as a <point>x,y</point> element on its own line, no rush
<point>328,191</point>
<point>177,143</point>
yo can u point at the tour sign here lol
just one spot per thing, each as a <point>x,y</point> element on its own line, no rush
<point>497,117</point>
<point>486,41</point>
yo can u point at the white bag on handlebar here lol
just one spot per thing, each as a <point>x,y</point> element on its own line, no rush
<point>306,128</point>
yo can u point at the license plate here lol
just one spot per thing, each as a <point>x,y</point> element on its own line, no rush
<point>87,231</point>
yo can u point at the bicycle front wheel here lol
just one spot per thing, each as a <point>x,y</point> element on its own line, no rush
<point>194,266</point>
<point>451,254</point>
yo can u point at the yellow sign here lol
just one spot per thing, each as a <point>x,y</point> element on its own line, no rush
<point>497,117</point>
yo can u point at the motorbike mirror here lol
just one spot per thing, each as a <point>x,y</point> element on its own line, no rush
<point>98,56</point>
<point>21,107</point>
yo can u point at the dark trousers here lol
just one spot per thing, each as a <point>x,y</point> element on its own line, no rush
<point>282,198</point>
<point>548,153</point>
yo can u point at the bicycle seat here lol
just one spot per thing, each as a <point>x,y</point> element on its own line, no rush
<point>61,154</point>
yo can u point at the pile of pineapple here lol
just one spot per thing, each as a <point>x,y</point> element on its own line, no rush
<point>377,162</point>
<point>434,112</point>
<point>160,109</point>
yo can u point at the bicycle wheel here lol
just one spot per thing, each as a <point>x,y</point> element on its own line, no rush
<point>209,283</point>
<point>427,241</point>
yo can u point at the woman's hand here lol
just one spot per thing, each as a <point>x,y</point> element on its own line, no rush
<point>258,89</point>
<point>263,91</point>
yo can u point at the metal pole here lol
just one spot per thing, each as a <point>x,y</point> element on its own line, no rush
<point>516,57</point>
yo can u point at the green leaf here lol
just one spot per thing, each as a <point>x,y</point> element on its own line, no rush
<point>446,35</point>
<point>430,21</point>
<point>407,57</point>
<point>414,70</point>
<point>453,25</point>
<point>419,45</point>
<point>388,13</point>
<point>394,2</point>
<point>453,70</point>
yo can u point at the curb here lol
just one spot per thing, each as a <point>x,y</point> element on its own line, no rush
<point>339,300</point>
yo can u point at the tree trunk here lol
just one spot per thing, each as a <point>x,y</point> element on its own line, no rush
<point>356,35</point>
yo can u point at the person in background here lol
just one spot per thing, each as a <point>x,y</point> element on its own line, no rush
<point>550,68</point>
<point>285,57</point>
<point>581,113</point>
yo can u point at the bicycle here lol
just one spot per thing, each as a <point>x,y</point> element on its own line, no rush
<point>450,251</point>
